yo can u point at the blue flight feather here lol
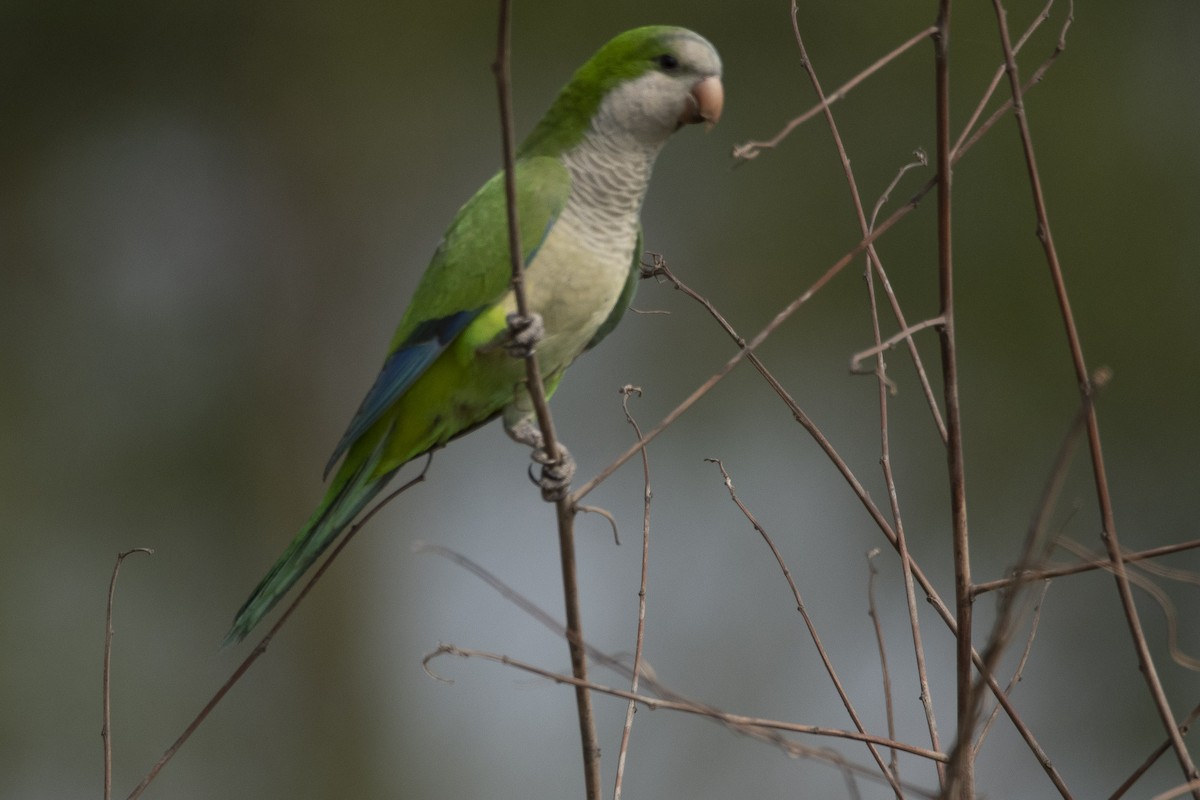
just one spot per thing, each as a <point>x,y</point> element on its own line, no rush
<point>405,365</point>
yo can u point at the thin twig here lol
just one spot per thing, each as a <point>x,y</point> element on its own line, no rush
<point>652,684</point>
<point>261,647</point>
<point>1164,603</point>
<point>873,613</point>
<point>864,498</point>
<point>1191,787</point>
<point>808,623</point>
<point>564,503</point>
<point>961,772</point>
<point>1087,566</point>
<point>999,74</point>
<point>1154,756</point>
<point>1005,624</point>
<point>752,149</point>
<point>106,692</point>
<point>747,347</point>
<point>627,729</point>
<point>885,461</point>
<point>672,705</point>
<point>905,334</point>
<point>1108,520</point>
<point>1016,676</point>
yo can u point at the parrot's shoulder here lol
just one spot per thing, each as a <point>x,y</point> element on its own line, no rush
<point>471,267</point>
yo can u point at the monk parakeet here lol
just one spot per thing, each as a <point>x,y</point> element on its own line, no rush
<point>581,176</point>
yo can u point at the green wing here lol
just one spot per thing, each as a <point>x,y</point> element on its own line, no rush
<point>470,271</point>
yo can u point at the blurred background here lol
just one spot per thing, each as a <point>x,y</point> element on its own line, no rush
<point>211,217</point>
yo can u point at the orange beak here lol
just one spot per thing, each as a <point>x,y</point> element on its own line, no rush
<point>707,100</point>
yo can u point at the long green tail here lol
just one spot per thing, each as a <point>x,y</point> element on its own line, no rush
<point>345,498</point>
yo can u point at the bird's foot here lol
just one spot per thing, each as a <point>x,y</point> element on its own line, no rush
<point>557,472</point>
<point>524,334</point>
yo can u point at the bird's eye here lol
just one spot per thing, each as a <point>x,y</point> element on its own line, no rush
<point>667,62</point>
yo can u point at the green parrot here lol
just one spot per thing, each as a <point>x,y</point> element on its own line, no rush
<point>581,176</point>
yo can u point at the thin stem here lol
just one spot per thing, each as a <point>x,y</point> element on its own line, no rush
<point>1088,566</point>
<point>881,522</point>
<point>565,506</point>
<point>627,730</point>
<point>106,692</point>
<point>961,773</point>
<point>263,643</point>
<point>885,460</point>
<point>1099,472</point>
<point>736,720</point>
<point>826,661</point>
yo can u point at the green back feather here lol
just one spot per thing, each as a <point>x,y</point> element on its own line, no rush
<point>471,267</point>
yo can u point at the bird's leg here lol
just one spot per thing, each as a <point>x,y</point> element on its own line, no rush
<point>524,334</point>
<point>557,470</point>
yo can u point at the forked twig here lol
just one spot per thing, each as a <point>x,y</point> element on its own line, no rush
<point>885,462</point>
<point>660,691</point>
<point>808,623</point>
<point>752,149</point>
<point>1108,520</point>
<point>1153,757</point>
<point>737,720</point>
<point>1087,566</point>
<point>1019,671</point>
<point>1160,597</point>
<point>864,498</point>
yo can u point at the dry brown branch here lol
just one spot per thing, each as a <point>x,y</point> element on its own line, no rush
<point>1191,787</point>
<point>261,647</point>
<point>885,462</point>
<point>106,680</point>
<point>739,720</point>
<point>885,674</point>
<point>626,730</point>
<point>752,149</point>
<point>1160,597</point>
<point>1154,756</point>
<point>931,593</point>
<point>1107,516</point>
<point>960,774</point>
<point>1075,569</point>
<point>564,505</point>
<point>648,679</point>
<point>826,661</point>
<point>1021,662</point>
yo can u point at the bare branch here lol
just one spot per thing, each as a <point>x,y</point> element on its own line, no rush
<point>106,691</point>
<point>626,730</point>
<point>655,703</point>
<point>808,623</point>
<point>1100,476</point>
<point>261,647</point>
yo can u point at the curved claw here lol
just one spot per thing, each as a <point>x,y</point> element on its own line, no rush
<point>556,473</point>
<point>524,334</point>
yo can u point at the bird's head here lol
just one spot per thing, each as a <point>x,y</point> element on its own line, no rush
<point>645,84</point>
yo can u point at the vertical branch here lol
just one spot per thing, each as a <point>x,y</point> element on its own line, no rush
<point>106,723</point>
<point>626,391</point>
<point>961,772</point>
<point>885,460</point>
<point>565,505</point>
<point>1087,389</point>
